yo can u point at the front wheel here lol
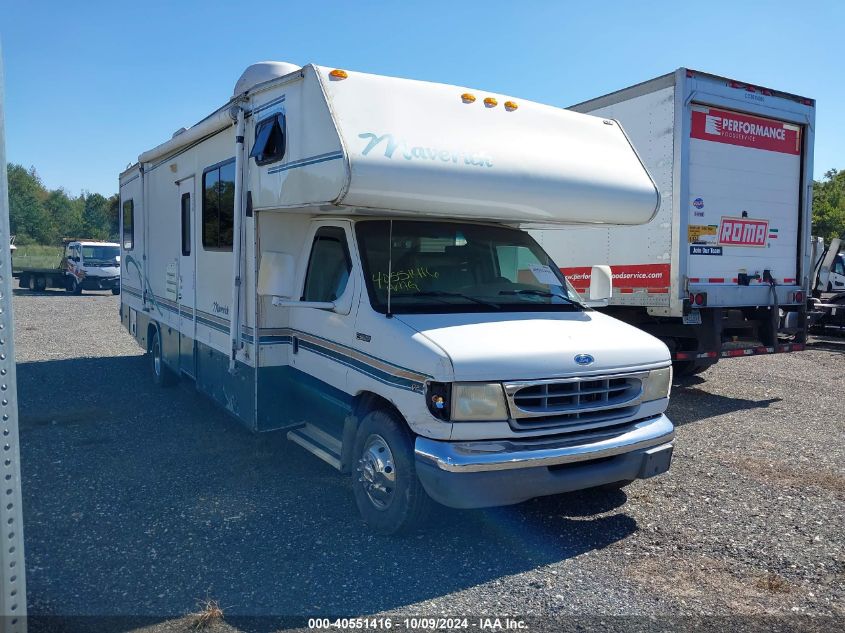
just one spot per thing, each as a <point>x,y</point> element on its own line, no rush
<point>387,491</point>
<point>115,290</point>
<point>163,376</point>
<point>73,286</point>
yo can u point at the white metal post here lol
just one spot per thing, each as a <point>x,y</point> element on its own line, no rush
<point>12,575</point>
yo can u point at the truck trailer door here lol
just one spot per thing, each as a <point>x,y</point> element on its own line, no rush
<point>744,204</point>
<point>187,278</point>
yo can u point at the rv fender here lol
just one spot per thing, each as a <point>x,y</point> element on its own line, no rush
<point>363,403</point>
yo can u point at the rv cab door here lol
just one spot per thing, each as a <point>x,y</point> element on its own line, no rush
<point>322,338</point>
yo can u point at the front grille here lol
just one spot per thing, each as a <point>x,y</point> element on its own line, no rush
<point>583,402</point>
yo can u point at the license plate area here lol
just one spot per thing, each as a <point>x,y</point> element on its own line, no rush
<point>693,318</point>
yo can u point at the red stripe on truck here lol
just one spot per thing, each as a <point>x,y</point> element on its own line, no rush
<point>625,277</point>
<point>735,353</point>
<point>733,128</point>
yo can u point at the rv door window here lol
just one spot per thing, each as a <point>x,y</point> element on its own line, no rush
<point>328,266</point>
<point>128,225</point>
<point>218,206</point>
<point>186,224</point>
<point>269,144</point>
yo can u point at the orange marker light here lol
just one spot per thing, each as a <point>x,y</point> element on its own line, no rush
<point>467,97</point>
<point>490,102</point>
<point>510,106</point>
<point>338,74</point>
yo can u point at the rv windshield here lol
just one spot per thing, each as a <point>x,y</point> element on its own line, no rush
<point>456,267</point>
<point>100,253</point>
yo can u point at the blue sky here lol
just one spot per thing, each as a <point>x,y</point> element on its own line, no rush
<point>90,88</point>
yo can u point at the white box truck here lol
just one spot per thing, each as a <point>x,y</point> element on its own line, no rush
<point>723,269</point>
<point>338,255</point>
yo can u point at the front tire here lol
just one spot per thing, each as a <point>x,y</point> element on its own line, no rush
<point>163,376</point>
<point>387,491</point>
<point>73,286</point>
<point>115,290</point>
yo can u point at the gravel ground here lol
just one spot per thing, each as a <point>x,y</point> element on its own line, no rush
<point>142,504</point>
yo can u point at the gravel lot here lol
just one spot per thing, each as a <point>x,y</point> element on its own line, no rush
<point>143,502</point>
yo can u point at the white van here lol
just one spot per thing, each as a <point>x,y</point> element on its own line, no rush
<point>340,255</point>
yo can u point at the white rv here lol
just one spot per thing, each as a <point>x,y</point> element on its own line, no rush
<point>340,255</point>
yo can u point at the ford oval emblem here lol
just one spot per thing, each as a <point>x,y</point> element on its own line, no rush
<point>584,359</point>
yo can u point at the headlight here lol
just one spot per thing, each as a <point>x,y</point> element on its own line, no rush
<point>478,401</point>
<point>657,384</point>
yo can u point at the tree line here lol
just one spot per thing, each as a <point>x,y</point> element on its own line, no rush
<point>42,216</point>
<point>38,215</point>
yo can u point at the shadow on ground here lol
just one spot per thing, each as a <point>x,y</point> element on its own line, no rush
<point>690,404</point>
<point>144,501</point>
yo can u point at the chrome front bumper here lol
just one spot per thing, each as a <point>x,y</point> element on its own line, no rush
<point>480,456</point>
<point>481,474</point>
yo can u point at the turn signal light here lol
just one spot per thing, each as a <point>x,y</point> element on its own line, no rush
<point>338,74</point>
<point>490,102</point>
<point>510,106</point>
<point>467,97</point>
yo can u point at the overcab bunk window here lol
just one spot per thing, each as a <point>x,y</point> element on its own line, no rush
<point>218,206</point>
<point>128,225</point>
<point>269,144</point>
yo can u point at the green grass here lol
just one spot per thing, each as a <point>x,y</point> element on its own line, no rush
<point>36,256</point>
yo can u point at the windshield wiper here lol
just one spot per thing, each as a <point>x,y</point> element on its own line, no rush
<point>439,293</point>
<point>536,293</point>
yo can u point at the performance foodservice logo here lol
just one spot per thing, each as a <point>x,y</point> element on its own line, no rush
<point>732,128</point>
<point>743,232</point>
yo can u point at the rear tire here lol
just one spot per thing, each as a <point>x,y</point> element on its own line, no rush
<point>687,368</point>
<point>41,283</point>
<point>163,376</point>
<point>387,491</point>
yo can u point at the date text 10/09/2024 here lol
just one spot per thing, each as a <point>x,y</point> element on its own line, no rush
<point>419,624</point>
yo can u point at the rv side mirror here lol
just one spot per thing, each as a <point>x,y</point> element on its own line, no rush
<point>277,275</point>
<point>601,285</point>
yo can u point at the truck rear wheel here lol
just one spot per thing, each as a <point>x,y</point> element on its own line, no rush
<point>686,368</point>
<point>41,283</point>
<point>387,491</point>
<point>163,376</point>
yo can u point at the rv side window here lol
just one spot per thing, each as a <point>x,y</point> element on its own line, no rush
<point>128,225</point>
<point>186,224</point>
<point>269,144</point>
<point>328,266</point>
<point>218,206</point>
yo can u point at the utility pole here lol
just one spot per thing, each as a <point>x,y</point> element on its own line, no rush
<point>12,573</point>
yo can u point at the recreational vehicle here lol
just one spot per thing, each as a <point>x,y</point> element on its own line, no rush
<point>341,256</point>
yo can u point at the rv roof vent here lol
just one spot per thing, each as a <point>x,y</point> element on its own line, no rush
<point>179,131</point>
<point>261,72</point>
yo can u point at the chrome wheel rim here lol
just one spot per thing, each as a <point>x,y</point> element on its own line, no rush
<point>377,472</point>
<point>157,357</point>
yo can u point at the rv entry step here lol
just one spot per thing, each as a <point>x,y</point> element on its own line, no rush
<point>318,442</point>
